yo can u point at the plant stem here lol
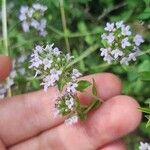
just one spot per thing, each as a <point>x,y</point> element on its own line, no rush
<point>64,24</point>
<point>5,37</point>
<point>84,54</point>
<point>90,107</point>
<point>4,28</point>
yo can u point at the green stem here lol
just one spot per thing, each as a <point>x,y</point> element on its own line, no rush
<point>55,30</point>
<point>84,54</point>
<point>92,105</point>
<point>5,36</point>
<point>64,24</point>
<point>4,27</point>
<point>145,52</point>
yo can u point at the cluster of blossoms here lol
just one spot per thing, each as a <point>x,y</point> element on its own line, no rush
<point>33,17</point>
<point>50,65</point>
<point>144,146</point>
<point>119,43</point>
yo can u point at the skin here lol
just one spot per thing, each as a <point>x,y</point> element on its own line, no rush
<point>27,120</point>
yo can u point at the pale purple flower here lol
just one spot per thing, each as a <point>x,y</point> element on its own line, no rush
<point>56,51</point>
<point>71,87</point>
<point>144,146</point>
<point>138,39</point>
<point>109,27</point>
<point>117,53</point>
<point>75,73</point>
<point>105,51</point>
<point>119,24</point>
<point>124,61</point>
<point>126,30</point>
<point>47,63</point>
<point>125,43</point>
<point>108,58</point>
<point>25,26</point>
<point>110,38</point>
<point>70,103</point>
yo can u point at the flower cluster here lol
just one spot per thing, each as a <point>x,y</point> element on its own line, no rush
<point>119,43</point>
<point>52,67</point>
<point>33,17</point>
<point>144,146</point>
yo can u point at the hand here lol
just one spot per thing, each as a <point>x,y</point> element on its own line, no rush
<point>27,122</point>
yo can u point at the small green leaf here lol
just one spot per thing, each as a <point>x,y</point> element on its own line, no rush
<point>145,110</point>
<point>145,76</point>
<point>96,104</point>
<point>82,85</point>
<point>104,42</point>
<point>94,90</point>
<point>148,123</point>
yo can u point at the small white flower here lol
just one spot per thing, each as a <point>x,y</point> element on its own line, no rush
<point>116,53</point>
<point>47,82</point>
<point>105,51</point>
<point>38,49</point>
<point>110,38</point>
<point>24,9</point>
<point>124,61</point>
<point>144,146</point>
<point>36,62</point>
<point>25,26</point>
<point>119,24</point>
<point>109,27</point>
<point>68,57</point>
<point>47,63</point>
<point>55,74</point>
<point>104,36</point>
<point>38,6</point>
<point>108,58</point>
<point>138,40</point>
<point>72,120</point>
<point>126,30</point>
<point>71,87</point>
<point>49,47</point>
<point>125,43</point>
<point>70,103</point>
<point>56,51</point>
<point>132,56</point>
<point>75,74</point>
<point>35,23</point>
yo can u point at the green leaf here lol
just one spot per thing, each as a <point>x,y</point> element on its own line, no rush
<point>82,85</point>
<point>104,42</point>
<point>145,110</point>
<point>145,76</point>
<point>94,90</point>
<point>145,14</point>
<point>148,123</point>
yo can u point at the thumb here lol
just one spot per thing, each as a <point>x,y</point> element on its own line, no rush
<point>5,66</point>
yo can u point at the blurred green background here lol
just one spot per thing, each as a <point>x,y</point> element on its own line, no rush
<point>79,32</point>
